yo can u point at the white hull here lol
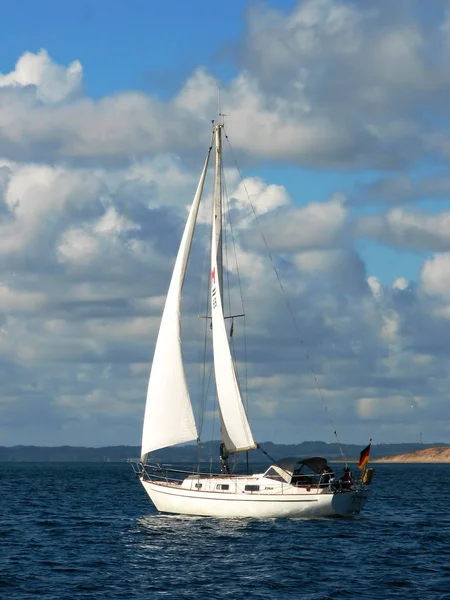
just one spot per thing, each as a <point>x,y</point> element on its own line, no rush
<point>295,502</point>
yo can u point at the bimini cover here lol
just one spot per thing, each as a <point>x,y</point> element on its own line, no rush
<point>315,463</point>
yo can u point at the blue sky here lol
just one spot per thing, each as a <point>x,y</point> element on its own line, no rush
<point>129,47</point>
<point>338,114</point>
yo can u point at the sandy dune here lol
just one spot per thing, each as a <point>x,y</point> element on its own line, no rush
<point>429,455</point>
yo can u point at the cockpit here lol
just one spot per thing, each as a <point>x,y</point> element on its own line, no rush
<point>301,471</point>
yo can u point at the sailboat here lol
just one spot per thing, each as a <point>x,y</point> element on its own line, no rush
<point>291,487</point>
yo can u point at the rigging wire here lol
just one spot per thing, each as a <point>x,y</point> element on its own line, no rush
<point>230,223</point>
<point>225,243</point>
<point>286,299</point>
<point>238,275</point>
<point>205,381</point>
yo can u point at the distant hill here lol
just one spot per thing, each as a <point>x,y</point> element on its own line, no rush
<point>209,451</point>
<point>439,454</point>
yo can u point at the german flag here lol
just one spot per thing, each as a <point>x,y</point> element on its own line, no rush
<point>364,456</point>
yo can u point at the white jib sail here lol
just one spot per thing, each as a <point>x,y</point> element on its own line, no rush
<point>169,419</point>
<point>236,432</point>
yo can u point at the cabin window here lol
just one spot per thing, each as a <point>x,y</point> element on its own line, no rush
<point>252,488</point>
<point>223,486</point>
<point>273,474</point>
<point>198,485</point>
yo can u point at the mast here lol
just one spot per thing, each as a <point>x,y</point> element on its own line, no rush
<point>218,222</point>
<point>218,205</point>
<point>236,433</point>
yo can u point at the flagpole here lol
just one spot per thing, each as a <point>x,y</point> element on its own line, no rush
<point>370,447</point>
<point>367,461</point>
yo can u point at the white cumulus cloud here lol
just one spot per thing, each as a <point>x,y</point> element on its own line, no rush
<point>53,83</point>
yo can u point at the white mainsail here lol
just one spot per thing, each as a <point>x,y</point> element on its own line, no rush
<point>169,419</point>
<point>236,432</point>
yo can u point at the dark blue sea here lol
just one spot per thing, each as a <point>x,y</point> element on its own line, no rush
<point>88,531</point>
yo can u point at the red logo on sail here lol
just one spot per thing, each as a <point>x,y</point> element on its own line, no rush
<point>213,275</point>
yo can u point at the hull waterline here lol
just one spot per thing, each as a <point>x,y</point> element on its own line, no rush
<point>172,498</point>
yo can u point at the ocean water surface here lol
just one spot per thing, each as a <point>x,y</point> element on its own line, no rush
<point>89,532</point>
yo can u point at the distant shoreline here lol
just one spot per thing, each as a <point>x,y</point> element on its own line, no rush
<point>209,451</point>
<point>435,455</point>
